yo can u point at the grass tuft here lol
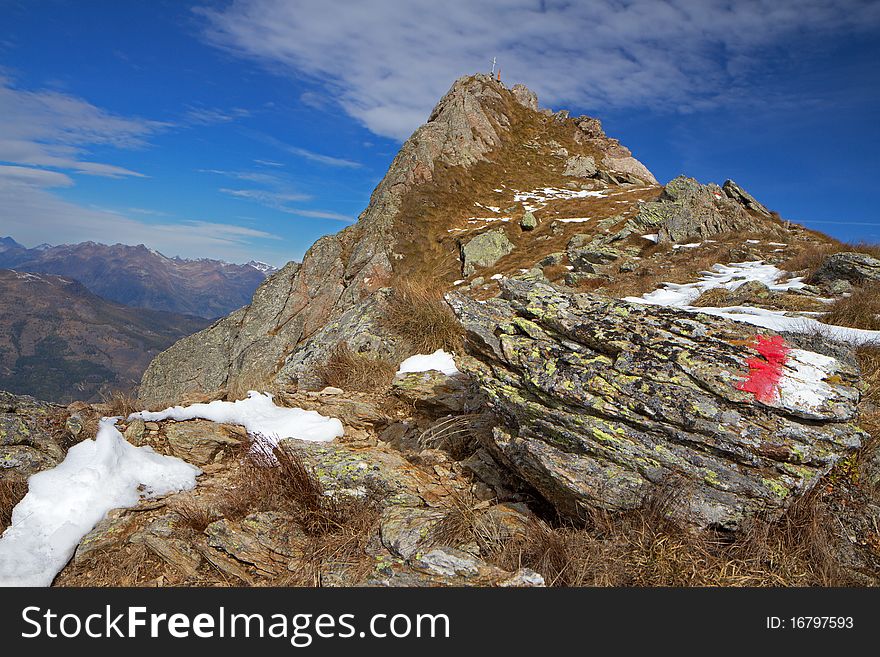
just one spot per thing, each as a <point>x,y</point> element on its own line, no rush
<point>11,492</point>
<point>418,314</point>
<point>861,309</point>
<point>355,371</point>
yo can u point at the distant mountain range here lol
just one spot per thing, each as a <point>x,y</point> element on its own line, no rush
<point>60,342</point>
<point>141,277</point>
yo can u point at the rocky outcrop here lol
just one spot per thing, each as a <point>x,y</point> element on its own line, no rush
<point>580,166</point>
<point>688,210</point>
<point>484,250</point>
<point>745,199</point>
<point>600,400</point>
<point>251,347</point>
<point>26,445</point>
<point>299,314</point>
<point>856,268</point>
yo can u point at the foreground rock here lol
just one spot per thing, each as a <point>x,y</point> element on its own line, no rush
<point>26,445</point>
<point>600,401</point>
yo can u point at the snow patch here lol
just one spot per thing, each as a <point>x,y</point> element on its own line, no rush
<point>63,504</point>
<point>731,277</point>
<point>439,360</point>
<point>259,415</point>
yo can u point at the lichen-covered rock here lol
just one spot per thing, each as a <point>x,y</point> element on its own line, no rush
<point>26,447</point>
<point>688,210</point>
<point>528,221</point>
<point>600,400</point>
<point>851,267</point>
<point>484,250</point>
<point>745,199</point>
<point>586,251</point>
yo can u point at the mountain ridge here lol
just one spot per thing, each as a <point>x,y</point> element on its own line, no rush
<point>142,277</point>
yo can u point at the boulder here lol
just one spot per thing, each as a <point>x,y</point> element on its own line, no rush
<point>528,221</point>
<point>200,442</point>
<point>628,169</point>
<point>745,199</point>
<point>599,401</point>
<point>688,210</point>
<point>585,252</point>
<point>852,267</point>
<point>525,96</point>
<point>484,250</point>
<point>580,166</point>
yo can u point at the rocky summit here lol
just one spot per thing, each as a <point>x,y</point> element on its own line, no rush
<point>528,363</point>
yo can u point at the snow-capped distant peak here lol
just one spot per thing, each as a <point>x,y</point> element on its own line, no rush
<point>262,266</point>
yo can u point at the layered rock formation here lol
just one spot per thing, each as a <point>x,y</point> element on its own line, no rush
<point>602,401</point>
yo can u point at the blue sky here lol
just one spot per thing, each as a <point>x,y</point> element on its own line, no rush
<point>241,130</point>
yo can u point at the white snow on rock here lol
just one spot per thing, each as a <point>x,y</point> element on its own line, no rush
<point>439,360</point>
<point>259,415</point>
<point>652,237</point>
<point>574,220</point>
<point>63,504</point>
<point>538,198</point>
<point>692,245</point>
<point>731,277</point>
<point>802,385</point>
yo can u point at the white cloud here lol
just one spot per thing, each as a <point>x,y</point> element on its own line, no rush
<point>35,177</point>
<point>387,62</point>
<point>265,197</point>
<point>320,214</point>
<point>213,116</point>
<point>323,159</point>
<point>52,129</point>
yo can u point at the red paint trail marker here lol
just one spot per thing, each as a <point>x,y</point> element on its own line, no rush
<point>765,373</point>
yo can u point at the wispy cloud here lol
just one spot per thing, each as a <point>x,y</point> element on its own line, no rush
<point>323,159</point>
<point>269,163</point>
<point>34,177</point>
<point>320,214</point>
<point>386,62</point>
<point>48,128</point>
<point>269,198</point>
<point>250,176</point>
<point>206,116</point>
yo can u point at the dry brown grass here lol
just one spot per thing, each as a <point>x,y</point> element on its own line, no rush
<point>355,371</point>
<point>868,358</point>
<point>11,492</point>
<point>418,313</point>
<point>338,527</point>
<point>645,548</point>
<point>120,403</point>
<point>812,254</point>
<point>120,564</point>
<point>859,310</point>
